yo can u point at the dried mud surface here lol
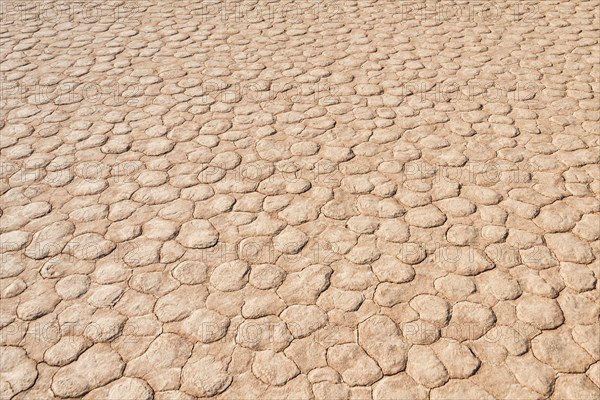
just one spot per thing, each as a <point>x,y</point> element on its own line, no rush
<point>300,200</point>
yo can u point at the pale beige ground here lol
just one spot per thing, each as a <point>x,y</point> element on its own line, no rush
<point>358,201</point>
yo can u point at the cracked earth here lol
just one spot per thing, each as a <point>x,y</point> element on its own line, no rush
<point>339,200</point>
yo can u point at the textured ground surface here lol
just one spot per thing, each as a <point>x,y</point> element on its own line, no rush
<point>359,201</point>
